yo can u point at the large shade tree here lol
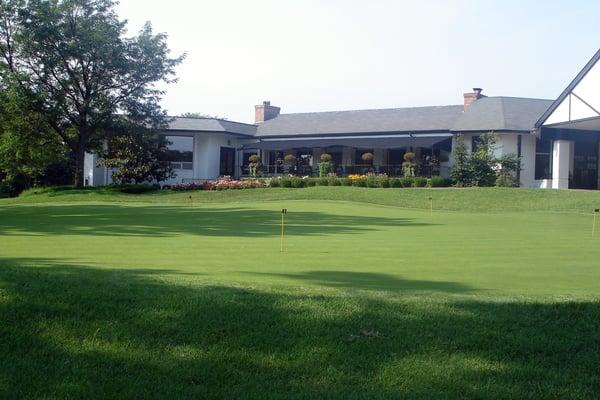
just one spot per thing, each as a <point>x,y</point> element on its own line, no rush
<point>71,64</point>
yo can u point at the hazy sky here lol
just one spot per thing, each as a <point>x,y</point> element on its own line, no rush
<point>309,55</point>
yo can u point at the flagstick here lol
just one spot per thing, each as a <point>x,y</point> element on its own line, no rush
<point>431,206</point>
<point>283,212</point>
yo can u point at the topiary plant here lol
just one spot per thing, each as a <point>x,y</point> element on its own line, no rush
<point>409,165</point>
<point>326,157</point>
<point>325,166</point>
<point>254,165</point>
<point>367,156</point>
<point>289,158</point>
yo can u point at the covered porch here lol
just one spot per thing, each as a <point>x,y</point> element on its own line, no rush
<point>432,154</point>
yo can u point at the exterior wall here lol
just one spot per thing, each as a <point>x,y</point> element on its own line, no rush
<point>95,175</point>
<point>528,162</point>
<point>206,162</point>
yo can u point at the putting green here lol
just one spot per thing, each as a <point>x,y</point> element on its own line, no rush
<point>328,244</point>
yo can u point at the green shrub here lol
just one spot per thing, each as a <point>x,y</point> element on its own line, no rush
<point>346,181</point>
<point>505,180</point>
<point>275,182</point>
<point>298,182</point>
<point>419,181</point>
<point>334,181</point>
<point>372,181</point>
<point>362,182</point>
<point>323,182</point>
<point>286,182</point>
<point>396,182</point>
<point>407,181</point>
<point>384,181</point>
<point>438,181</point>
<point>311,182</point>
<point>325,168</point>
<point>135,189</point>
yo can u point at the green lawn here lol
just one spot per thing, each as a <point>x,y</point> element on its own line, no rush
<point>496,294</point>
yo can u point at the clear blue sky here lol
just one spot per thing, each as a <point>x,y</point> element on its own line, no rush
<point>323,55</point>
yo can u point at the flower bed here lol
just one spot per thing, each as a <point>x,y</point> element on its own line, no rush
<point>221,184</point>
<point>231,184</point>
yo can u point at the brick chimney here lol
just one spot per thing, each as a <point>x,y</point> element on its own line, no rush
<point>264,112</point>
<point>470,98</point>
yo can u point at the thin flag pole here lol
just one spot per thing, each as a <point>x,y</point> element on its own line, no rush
<point>431,206</point>
<point>283,212</point>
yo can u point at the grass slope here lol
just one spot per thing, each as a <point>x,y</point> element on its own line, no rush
<point>151,296</point>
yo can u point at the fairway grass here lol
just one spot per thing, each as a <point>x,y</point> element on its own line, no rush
<point>161,296</point>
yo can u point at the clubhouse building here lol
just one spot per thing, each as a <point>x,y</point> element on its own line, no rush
<point>558,140</point>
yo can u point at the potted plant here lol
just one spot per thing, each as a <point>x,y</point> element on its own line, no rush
<point>367,157</point>
<point>290,160</point>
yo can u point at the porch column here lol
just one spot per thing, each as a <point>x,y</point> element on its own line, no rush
<point>562,159</point>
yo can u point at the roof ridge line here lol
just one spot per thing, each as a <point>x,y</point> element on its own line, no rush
<point>373,109</point>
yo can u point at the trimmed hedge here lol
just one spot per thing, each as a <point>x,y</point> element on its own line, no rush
<point>438,181</point>
<point>419,181</point>
<point>370,181</point>
<point>407,181</point>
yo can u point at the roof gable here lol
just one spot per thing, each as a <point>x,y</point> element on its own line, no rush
<point>580,100</point>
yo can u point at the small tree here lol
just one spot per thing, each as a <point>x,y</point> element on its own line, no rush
<point>326,165</point>
<point>508,168</point>
<point>409,167</point>
<point>482,162</point>
<point>137,158</point>
<point>254,164</point>
<point>461,171</point>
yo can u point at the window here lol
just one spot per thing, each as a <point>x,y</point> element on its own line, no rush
<point>543,159</point>
<point>396,156</point>
<point>180,151</point>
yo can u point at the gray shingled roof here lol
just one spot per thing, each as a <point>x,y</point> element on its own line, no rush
<point>502,114</point>
<point>486,114</point>
<point>416,119</point>
<point>211,125</point>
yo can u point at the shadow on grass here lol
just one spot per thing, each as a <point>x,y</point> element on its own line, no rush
<point>80,332</point>
<point>118,220</point>
<point>372,281</point>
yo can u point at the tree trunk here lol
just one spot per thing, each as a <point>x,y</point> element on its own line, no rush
<point>79,164</point>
